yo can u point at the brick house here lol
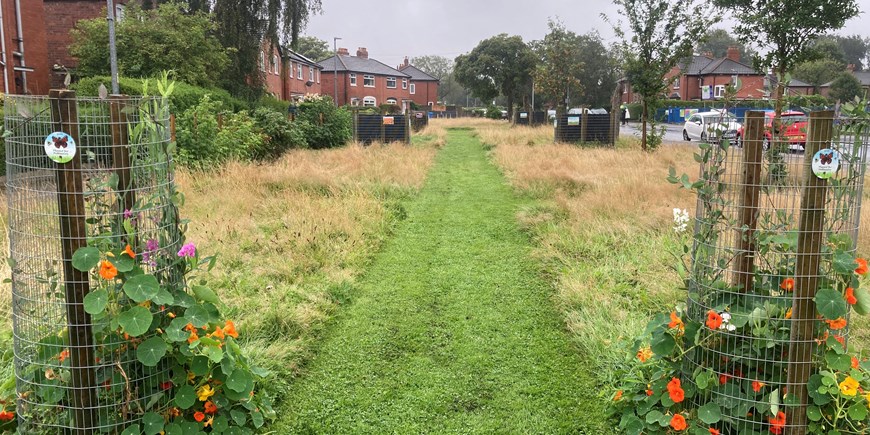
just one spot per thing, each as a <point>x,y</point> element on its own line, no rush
<point>60,17</point>
<point>23,48</point>
<point>288,75</point>
<point>362,81</point>
<point>423,87</point>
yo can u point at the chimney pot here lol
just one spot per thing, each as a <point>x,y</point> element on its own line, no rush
<point>734,53</point>
<point>362,52</point>
<point>343,51</point>
<point>850,67</point>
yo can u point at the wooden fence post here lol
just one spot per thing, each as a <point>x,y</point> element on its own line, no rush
<point>121,151</point>
<point>811,236</point>
<point>751,190</point>
<point>71,207</point>
<point>172,127</point>
<point>584,123</point>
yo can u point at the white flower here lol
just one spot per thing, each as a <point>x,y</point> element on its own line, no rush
<point>681,220</point>
<point>726,322</point>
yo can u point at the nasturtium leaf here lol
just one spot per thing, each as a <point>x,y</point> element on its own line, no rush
<point>197,315</point>
<point>240,380</point>
<point>831,304</point>
<point>185,397</point>
<point>858,411</point>
<point>123,263</point>
<point>86,258</point>
<point>199,365</point>
<point>653,416</point>
<point>152,423</point>
<point>132,430</point>
<point>814,413</point>
<point>95,301</point>
<point>838,361</point>
<point>50,393</point>
<point>173,429</point>
<point>151,351</point>
<point>862,307</point>
<point>844,263</point>
<point>205,294</point>
<point>214,352</point>
<point>239,417</point>
<point>175,331</point>
<point>141,288</point>
<point>631,424</point>
<point>662,343</point>
<point>257,419</point>
<point>163,297</point>
<point>136,320</point>
<point>813,387</point>
<point>220,424</point>
<point>710,413</point>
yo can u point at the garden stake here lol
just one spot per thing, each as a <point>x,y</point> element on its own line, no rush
<point>752,162</point>
<point>121,152</point>
<point>810,238</point>
<point>71,206</point>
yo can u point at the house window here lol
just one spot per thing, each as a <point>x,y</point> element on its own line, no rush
<point>676,83</point>
<point>413,88</point>
<point>275,64</point>
<point>119,12</point>
<point>354,101</point>
<point>290,73</point>
<point>353,79</point>
<point>370,102</point>
<point>311,74</point>
<point>720,91</point>
<point>318,75</point>
<point>391,82</point>
<point>262,62</point>
<point>404,83</point>
<point>299,71</point>
<point>368,81</point>
<point>392,101</point>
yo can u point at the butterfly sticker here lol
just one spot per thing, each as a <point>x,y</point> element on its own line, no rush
<point>827,159</point>
<point>60,141</point>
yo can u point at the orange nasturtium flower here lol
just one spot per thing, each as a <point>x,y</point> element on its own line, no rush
<point>714,431</point>
<point>788,314</point>
<point>855,363</point>
<point>678,422</point>
<point>757,386</point>
<point>862,266</point>
<point>777,424</point>
<point>849,386</point>
<point>198,416</point>
<point>676,322</point>
<point>6,415</point>
<point>108,270</point>
<point>230,329</point>
<point>210,407</point>
<point>787,284</point>
<point>840,323</point>
<point>644,354</point>
<point>617,396</point>
<point>129,251</point>
<point>193,337</point>
<point>218,333</point>
<point>714,320</point>
<point>675,391</point>
<point>850,296</point>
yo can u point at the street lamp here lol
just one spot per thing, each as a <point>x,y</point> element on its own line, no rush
<point>335,70</point>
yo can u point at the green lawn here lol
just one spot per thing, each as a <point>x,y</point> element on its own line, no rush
<point>453,328</point>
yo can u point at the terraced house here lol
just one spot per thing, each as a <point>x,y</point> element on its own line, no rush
<point>361,81</point>
<point>288,75</point>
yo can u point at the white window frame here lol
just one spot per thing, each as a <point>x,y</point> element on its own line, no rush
<point>354,101</point>
<point>352,79</point>
<point>370,102</point>
<point>119,12</point>
<point>262,61</point>
<point>317,71</point>
<point>393,81</point>
<point>310,73</point>
<point>299,72</point>
<point>366,79</point>
<point>413,88</point>
<point>719,91</point>
<point>392,100</point>
<point>677,82</point>
<point>404,83</point>
<point>290,73</point>
<point>275,63</point>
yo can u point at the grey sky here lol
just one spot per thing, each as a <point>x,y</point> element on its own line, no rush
<point>392,30</point>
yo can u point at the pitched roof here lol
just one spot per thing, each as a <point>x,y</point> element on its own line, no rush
<point>728,67</point>
<point>795,83</point>
<point>417,74</point>
<point>294,56</point>
<point>862,76</point>
<point>694,65</point>
<point>360,65</point>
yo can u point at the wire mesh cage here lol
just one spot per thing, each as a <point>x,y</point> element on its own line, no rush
<point>773,273</point>
<point>104,202</point>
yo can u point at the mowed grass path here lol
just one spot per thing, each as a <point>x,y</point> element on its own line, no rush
<point>453,329</point>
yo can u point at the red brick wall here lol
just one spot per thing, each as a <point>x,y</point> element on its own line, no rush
<point>60,17</point>
<point>34,37</point>
<point>380,92</point>
<point>296,86</point>
<point>426,92</point>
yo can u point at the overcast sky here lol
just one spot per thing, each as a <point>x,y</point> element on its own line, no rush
<point>392,30</point>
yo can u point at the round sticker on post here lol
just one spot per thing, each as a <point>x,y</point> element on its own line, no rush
<point>60,147</point>
<point>826,162</point>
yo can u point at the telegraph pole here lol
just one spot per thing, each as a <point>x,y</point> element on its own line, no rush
<point>113,52</point>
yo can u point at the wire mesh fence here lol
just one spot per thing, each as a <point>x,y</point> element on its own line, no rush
<point>108,183</point>
<point>772,273</point>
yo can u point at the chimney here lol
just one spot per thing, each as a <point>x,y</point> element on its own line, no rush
<point>850,67</point>
<point>343,51</point>
<point>362,53</point>
<point>406,62</point>
<point>734,53</point>
<point>707,54</point>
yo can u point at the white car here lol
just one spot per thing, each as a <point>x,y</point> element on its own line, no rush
<point>710,126</point>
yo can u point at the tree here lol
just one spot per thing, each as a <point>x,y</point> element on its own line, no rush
<point>441,68</point>
<point>313,48</point>
<point>855,49</point>
<point>499,65</point>
<point>560,66</point>
<point>151,41</point>
<point>846,87</point>
<point>818,72</point>
<point>660,34</point>
<point>717,41</point>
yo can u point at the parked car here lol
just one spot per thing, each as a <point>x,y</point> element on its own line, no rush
<point>711,126</point>
<point>794,124</point>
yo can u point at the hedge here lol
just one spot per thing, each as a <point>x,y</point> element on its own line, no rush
<point>184,97</point>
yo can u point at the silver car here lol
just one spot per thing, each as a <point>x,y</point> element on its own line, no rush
<point>711,126</point>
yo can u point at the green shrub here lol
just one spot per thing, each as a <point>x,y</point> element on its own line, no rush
<point>273,104</point>
<point>281,134</point>
<point>184,97</point>
<point>324,125</point>
<point>241,135</point>
<point>493,112</point>
<point>391,109</point>
<point>202,143</point>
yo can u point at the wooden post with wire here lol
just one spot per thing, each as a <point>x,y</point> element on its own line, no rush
<point>71,207</point>
<point>749,198</point>
<point>811,237</point>
<point>121,151</point>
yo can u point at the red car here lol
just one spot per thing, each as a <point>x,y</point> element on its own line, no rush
<point>794,123</point>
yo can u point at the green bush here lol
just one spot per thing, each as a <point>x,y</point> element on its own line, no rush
<point>324,125</point>
<point>183,98</point>
<point>281,134</point>
<point>273,104</point>
<point>493,112</point>
<point>202,143</point>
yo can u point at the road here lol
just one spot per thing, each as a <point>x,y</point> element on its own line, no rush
<point>673,132</point>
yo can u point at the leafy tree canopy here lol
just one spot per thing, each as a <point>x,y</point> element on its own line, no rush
<point>846,87</point>
<point>151,41</point>
<point>717,41</point>
<point>313,48</point>
<point>499,65</point>
<point>441,68</point>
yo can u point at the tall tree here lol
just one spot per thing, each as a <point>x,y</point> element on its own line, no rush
<point>855,49</point>
<point>717,41</point>
<point>846,87</point>
<point>313,48</point>
<point>560,66</point>
<point>657,35</point>
<point>499,65</point>
<point>818,72</point>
